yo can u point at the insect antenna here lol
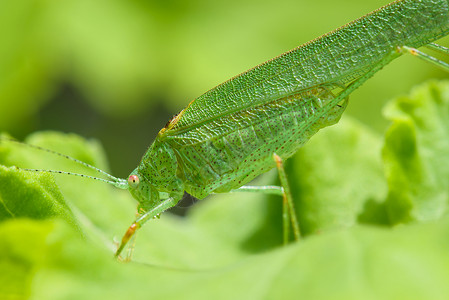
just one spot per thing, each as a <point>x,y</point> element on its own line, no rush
<point>117,182</point>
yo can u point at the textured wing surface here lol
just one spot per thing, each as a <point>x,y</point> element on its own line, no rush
<point>227,136</point>
<point>232,150</point>
<point>336,58</point>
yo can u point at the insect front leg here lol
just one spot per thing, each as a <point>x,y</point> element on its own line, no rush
<point>142,219</point>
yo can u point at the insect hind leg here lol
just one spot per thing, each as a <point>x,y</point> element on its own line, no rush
<point>288,211</point>
<point>426,57</point>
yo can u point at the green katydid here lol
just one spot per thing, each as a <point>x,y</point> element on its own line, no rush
<point>250,123</point>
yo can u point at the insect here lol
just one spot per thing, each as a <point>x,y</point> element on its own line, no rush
<point>252,122</point>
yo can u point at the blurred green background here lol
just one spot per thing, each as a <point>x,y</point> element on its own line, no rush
<point>118,70</point>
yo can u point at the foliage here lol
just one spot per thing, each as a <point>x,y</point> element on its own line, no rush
<point>373,214</point>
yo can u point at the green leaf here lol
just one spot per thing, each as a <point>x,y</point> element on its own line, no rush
<point>337,179</point>
<point>22,248</point>
<point>101,210</point>
<point>229,246</point>
<point>36,196</point>
<point>416,154</point>
<point>359,263</point>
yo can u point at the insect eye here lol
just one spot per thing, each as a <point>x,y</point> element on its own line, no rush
<point>133,181</point>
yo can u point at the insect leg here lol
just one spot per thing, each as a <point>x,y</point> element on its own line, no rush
<point>273,190</point>
<point>130,250</point>
<point>438,48</point>
<point>131,243</point>
<point>426,57</point>
<point>289,214</point>
<point>265,189</point>
<point>151,214</point>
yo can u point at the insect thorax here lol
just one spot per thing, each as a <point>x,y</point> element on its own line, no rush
<point>158,168</point>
